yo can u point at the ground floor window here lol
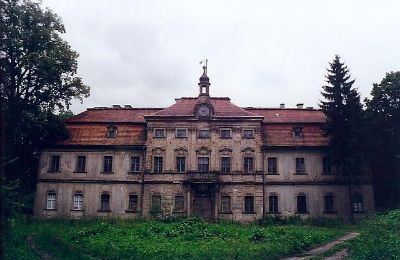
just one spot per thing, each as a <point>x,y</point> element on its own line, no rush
<point>226,204</point>
<point>301,203</point>
<point>133,202</point>
<point>179,203</point>
<point>248,204</point>
<point>156,203</point>
<point>358,205</point>
<point>328,202</point>
<point>78,201</point>
<point>51,200</point>
<point>105,202</point>
<point>273,203</point>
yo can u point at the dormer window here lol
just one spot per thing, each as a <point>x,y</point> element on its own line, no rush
<point>159,133</point>
<point>111,132</point>
<point>297,132</point>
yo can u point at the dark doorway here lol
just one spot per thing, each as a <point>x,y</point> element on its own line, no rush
<point>203,206</point>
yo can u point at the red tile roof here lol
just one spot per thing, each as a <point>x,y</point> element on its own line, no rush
<point>289,115</point>
<point>223,107</point>
<point>112,115</point>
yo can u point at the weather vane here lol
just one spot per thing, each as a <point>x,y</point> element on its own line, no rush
<point>204,61</point>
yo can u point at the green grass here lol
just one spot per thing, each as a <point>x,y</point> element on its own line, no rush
<point>379,238</point>
<point>185,238</point>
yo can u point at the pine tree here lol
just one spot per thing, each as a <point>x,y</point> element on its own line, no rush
<point>344,113</point>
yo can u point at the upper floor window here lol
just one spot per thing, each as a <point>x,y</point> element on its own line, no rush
<point>180,164</point>
<point>179,203</point>
<point>105,201</point>
<point>300,166</point>
<point>328,199</point>
<point>358,205</point>
<point>51,200</point>
<point>326,166</point>
<point>107,164</point>
<point>203,164</point>
<point>135,164</point>
<point>203,134</point>
<point>133,202</point>
<point>111,132</point>
<point>158,164</point>
<point>225,133</point>
<point>248,134</point>
<point>226,204</point>
<point>301,203</point>
<point>55,163</point>
<point>248,204</point>
<point>248,164</point>
<point>81,164</point>
<point>78,201</point>
<point>272,165</point>
<point>225,164</point>
<point>159,133</point>
<point>181,133</point>
<point>297,132</point>
<point>273,203</point>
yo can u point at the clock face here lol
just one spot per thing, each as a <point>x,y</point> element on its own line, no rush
<point>204,110</point>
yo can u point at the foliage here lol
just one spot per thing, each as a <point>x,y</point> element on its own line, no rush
<point>296,220</point>
<point>180,238</point>
<point>383,117</point>
<point>37,80</point>
<point>379,238</point>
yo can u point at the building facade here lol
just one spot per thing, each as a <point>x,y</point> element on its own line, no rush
<point>201,156</point>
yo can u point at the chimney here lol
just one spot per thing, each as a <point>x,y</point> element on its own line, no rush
<point>310,108</point>
<point>116,106</point>
<point>282,105</point>
<point>127,106</point>
<point>299,105</point>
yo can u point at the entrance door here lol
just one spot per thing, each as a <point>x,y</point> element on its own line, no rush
<point>203,207</point>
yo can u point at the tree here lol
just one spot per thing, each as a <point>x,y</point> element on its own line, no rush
<point>37,80</point>
<point>344,113</point>
<point>383,117</point>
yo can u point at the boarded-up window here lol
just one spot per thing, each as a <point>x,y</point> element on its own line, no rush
<point>179,203</point>
<point>226,204</point>
<point>156,203</point>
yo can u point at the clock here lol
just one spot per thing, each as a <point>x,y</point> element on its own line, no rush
<point>204,110</point>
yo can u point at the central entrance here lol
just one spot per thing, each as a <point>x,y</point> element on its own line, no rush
<point>203,201</point>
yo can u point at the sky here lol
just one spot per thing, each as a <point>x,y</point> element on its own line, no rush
<point>260,53</point>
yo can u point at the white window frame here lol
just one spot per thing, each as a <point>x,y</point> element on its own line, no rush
<point>225,129</point>
<point>159,129</point>
<point>78,201</point>
<point>133,169</point>
<point>51,199</point>
<point>181,129</point>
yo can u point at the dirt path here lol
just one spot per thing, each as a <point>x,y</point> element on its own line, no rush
<point>40,254</point>
<point>325,247</point>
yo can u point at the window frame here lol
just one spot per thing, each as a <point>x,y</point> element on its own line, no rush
<point>299,130</point>
<point>247,170</point>
<point>133,204</point>
<point>55,167</point>
<point>178,164</point>
<point>201,137</point>
<point>275,159</point>
<point>135,167</point>
<point>79,169</point>
<point>225,137</point>
<point>199,168</point>
<point>159,129</point>
<point>224,167</point>
<point>273,203</point>
<point>249,208</point>
<point>158,166</point>
<point>181,129</point>
<point>331,203</point>
<point>301,208</point>
<point>156,206</point>
<point>327,166</point>
<point>113,130</point>
<point>181,203</point>
<point>51,200</point>
<point>77,204</point>
<point>108,165</point>
<point>357,203</point>
<point>226,206</point>
<point>300,170</point>
<point>247,137</point>
<point>105,197</point>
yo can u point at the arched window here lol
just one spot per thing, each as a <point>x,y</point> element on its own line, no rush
<point>358,205</point>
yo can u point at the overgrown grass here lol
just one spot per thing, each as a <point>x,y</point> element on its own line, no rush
<point>379,238</point>
<point>182,238</point>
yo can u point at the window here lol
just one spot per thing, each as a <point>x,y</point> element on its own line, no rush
<point>297,132</point>
<point>226,204</point>
<point>107,166</point>
<point>111,132</point>
<point>225,164</point>
<point>180,164</point>
<point>159,133</point>
<point>203,164</point>
<point>55,163</point>
<point>181,133</point>
<point>300,166</point>
<point>179,203</point>
<point>158,164</point>
<point>133,202</point>
<point>248,134</point>
<point>248,165</point>
<point>328,202</point>
<point>272,165</point>
<point>203,134</point>
<point>78,201</point>
<point>225,133</point>
<point>135,163</point>
<point>156,203</point>
<point>326,166</point>
<point>51,200</point>
<point>248,204</point>
<point>301,204</point>
<point>358,205</point>
<point>105,202</point>
<point>81,164</point>
<point>273,203</point>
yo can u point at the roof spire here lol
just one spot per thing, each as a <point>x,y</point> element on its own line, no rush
<point>204,81</point>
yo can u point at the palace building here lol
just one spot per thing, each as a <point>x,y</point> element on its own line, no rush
<point>200,156</point>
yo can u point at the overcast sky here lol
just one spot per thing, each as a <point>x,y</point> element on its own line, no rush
<point>261,53</point>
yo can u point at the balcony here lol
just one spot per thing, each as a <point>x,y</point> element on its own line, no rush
<point>202,177</point>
